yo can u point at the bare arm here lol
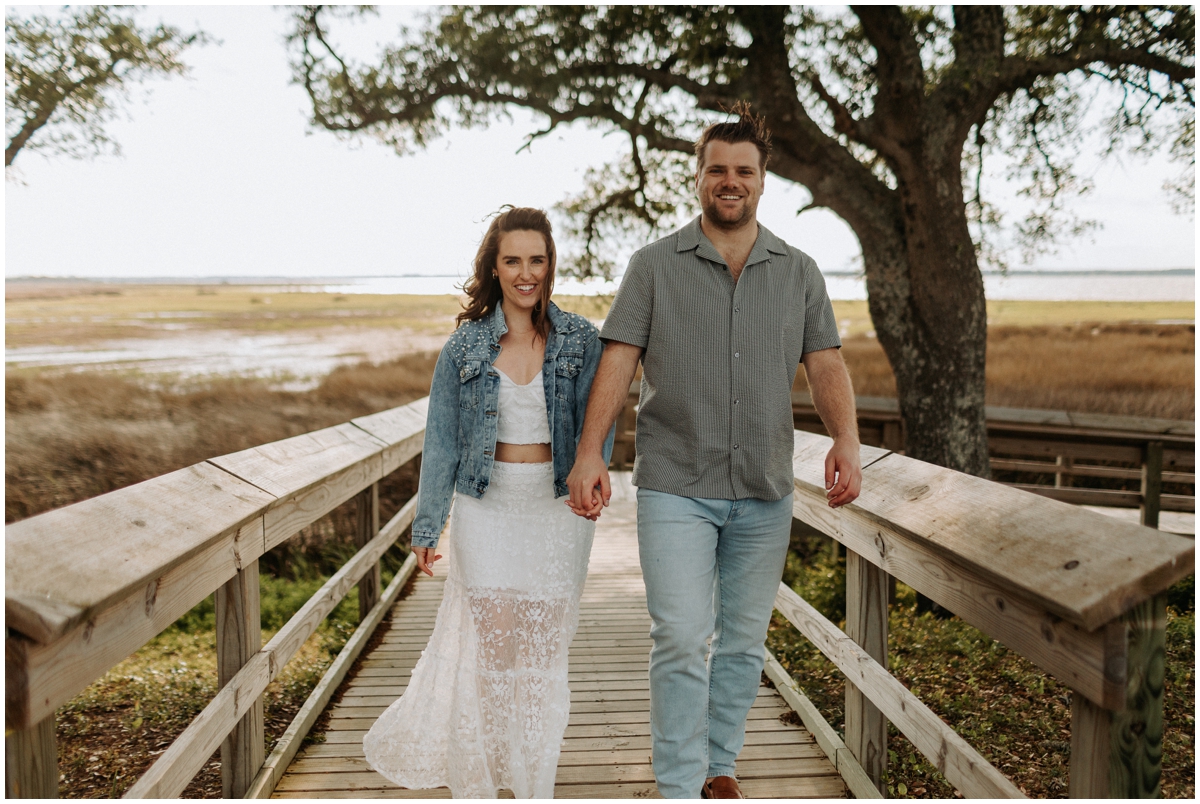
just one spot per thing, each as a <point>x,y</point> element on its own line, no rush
<point>610,389</point>
<point>833,397</point>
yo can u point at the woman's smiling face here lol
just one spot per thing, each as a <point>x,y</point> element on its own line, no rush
<point>521,268</point>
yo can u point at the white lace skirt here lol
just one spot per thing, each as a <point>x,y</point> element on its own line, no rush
<point>488,701</point>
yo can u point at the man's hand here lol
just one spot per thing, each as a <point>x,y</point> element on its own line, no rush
<point>589,485</point>
<point>425,558</point>
<point>588,481</point>
<point>843,473</point>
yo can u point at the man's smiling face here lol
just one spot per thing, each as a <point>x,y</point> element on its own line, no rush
<point>729,183</point>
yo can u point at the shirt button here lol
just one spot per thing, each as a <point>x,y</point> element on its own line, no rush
<point>735,446</point>
<point>736,401</point>
<point>737,354</point>
<point>737,309</point>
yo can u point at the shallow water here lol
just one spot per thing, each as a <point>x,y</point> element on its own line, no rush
<point>297,359</point>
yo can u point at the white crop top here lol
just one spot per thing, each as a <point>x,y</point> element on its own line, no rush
<point>522,412</point>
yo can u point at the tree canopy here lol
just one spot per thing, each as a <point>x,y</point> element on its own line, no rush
<point>885,114</point>
<point>65,75</point>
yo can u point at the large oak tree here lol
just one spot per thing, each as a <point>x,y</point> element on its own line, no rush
<point>883,113</point>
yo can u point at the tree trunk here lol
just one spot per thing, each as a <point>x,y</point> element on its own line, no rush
<point>925,294</point>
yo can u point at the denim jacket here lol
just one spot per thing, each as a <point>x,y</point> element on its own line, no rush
<point>460,428</point>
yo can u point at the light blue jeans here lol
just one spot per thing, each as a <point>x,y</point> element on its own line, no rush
<point>712,568</point>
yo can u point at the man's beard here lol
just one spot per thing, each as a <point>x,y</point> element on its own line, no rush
<point>739,219</point>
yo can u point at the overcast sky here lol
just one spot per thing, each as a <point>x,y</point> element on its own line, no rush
<point>220,175</point>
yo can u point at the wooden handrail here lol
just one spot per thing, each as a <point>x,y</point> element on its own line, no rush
<point>89,584</point>
<point>1073,591</point>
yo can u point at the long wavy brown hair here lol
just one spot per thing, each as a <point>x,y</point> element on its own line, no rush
<point>483,288</point>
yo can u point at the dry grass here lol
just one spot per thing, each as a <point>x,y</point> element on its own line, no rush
<point>74,436</point>
<point>1127,369</point>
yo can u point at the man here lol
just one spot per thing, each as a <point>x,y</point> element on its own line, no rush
<point>720,313</point>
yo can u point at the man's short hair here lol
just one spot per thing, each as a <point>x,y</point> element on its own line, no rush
<point>748,127</point>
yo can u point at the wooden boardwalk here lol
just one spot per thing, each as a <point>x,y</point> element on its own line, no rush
<point>606,751</point>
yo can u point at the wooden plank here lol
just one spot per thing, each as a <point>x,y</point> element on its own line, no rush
<point>1133,424</point>
<point>402,429</point>
<point>866,624</point>
<point>587,748</point>
<point>366,528</point>
<point>310,763</point>
<point>852,773</point>
<point>1087,661</point>
<point>438,793</point>
<point>1053,448</point>
<point>239,637</point>
<point>309,474</point>
<point>289,743</point>
<point>1083,470</point>
<point>31,762</point>
<point>64,566</point>
<point>1107,497</point>
<point>1090,730</point>
<point>1152,482</point>
<point>1135,753</point>
<point>1000,533</point>
<point>959,762</point>
<point>56,673</point>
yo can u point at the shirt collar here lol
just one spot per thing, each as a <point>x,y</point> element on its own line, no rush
<point>691,236</point>
<point>559,321</point>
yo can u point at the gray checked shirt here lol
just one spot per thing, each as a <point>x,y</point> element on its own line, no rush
<point>715,416</point>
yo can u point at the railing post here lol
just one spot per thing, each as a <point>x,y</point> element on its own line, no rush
<point>30,755</point>
<point>367,504</point>
<point>1118,754</point>
<point>239,637</point>
<point>867,624</point>
<point>31,762</point>
<point>1152,467</point>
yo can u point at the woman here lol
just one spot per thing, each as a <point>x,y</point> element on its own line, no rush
<point>488,701</point>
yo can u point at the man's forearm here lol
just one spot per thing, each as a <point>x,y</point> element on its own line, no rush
<point>832,393</point>
<point>609,392</point>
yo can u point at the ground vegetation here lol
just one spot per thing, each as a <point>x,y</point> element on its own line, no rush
<point>1015,715</point>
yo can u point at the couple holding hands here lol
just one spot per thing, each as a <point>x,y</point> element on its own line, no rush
<point>521,412</point>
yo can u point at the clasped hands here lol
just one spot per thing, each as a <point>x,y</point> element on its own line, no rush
<point>589,486</point>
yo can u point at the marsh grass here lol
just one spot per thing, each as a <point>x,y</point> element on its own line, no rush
<point>69,437</point>
<point>1119,368</point>
<point>1014,714</point>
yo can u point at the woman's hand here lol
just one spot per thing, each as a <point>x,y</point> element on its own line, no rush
<point>425,558</point>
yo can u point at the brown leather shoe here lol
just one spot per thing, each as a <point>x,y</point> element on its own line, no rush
<point>721,787</point>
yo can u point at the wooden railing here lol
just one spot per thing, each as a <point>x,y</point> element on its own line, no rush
<point>1075,449</point>
<point>1077,593</point>
<point>89,584</point>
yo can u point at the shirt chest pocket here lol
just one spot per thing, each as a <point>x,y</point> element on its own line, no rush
<point>566,371</point>
<point>469,384</point>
